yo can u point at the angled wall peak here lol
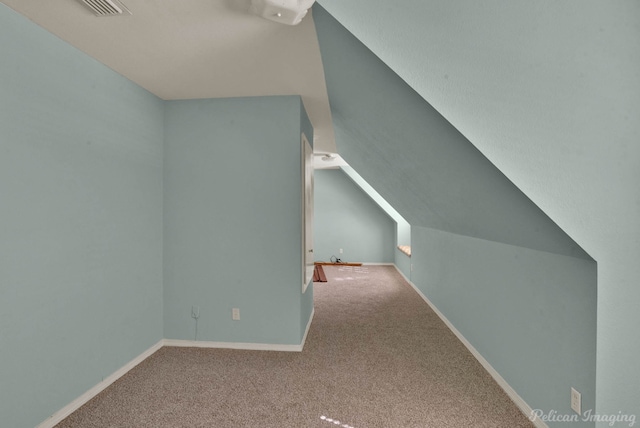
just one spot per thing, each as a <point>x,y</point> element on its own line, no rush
<point>416,159</point>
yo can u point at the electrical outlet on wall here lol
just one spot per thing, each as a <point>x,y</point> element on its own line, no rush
<point>576,401</point>
<point>235,314</point>
<point>340,250</point>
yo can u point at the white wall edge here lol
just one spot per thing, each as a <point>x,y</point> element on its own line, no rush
<point>513,395</point>
<point>306,331</point>
<point>61,414</point>
<point>232,345</point>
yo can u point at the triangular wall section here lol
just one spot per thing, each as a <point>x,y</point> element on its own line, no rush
<point>418,161</point>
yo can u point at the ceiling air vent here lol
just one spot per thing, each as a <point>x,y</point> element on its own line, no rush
<point>106,7</point>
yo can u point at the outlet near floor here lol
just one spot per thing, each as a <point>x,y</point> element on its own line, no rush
<point>235,314</point>
<point>576,401</point>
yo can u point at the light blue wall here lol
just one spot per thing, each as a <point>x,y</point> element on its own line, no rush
<point>488,257</point>
<point>346,217</point>
<point>233,210</point>
<point>81,222</point>
<point>403,228</point>
<point>404,233</point>
<point>530,314</point>
<point>403,262</point>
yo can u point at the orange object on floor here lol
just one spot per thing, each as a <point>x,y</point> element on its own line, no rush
<point>318,274</point>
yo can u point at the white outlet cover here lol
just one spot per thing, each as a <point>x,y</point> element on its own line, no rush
<point>576,401</point>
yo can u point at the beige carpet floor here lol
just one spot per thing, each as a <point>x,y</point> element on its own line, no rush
<point>376,356</point>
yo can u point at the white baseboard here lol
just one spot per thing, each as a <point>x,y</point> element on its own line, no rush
<point>240,345</point>
<point>232,345</point>
<point>409,281</point>
<point>513,395</point>
<point>58,416</point>
<point>306,331</point>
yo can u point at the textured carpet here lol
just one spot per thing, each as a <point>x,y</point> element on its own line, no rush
<point>376,356</point>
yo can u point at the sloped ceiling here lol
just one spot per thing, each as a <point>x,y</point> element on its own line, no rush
<point>549,91</point>
<point>539,87</point>
<point>429,172</point>
<point>197,49</point>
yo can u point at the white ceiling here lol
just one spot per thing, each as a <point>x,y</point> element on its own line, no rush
<point>198,49</point>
